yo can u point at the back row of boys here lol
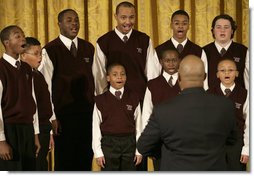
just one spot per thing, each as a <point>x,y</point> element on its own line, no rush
<point>71,67</point>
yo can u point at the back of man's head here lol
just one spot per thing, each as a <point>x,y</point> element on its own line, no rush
<point>191,72</point>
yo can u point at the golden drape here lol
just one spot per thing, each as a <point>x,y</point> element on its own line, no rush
<point>38,18</point>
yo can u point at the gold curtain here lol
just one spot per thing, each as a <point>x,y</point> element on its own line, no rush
<point>38,18</point>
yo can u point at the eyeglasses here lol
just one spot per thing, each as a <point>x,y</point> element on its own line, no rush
<point>35,54</point>
<point>224,70</point>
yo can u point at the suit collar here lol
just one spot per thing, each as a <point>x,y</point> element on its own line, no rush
<point>193,90</point>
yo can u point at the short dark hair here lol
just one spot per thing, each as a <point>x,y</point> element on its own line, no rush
<point>124,4</point>
<point>180,12</point>
<point>226,17</point>
<point>31,41</point>
<point>5,33</point>
<point>113,64</point>
<point>61,14</point>
<point>172,49</point>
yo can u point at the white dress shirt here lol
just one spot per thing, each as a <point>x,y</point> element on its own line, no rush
<point>12,61</point>
<point>97,120</point>
<point>203,58</point>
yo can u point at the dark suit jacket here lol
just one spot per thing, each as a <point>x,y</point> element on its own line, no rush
<point>194,128</point>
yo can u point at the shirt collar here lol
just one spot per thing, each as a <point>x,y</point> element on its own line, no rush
<point>175,43</point>
<point>223,87</point>
<point>167,76</point>
<point>67,42</point>
<point>10,59</point>
<point>219,47</point>
<point>121,35</point>
<point>112,90</point>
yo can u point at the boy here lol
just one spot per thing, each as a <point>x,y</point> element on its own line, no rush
<point>161,88</point>
<point>19,143</point>
<point>116,124</point>
<point>223,29</point>
<point>237,155</point>
<point>136,53</point>
<point>32,56</point>
<point>180,26</point>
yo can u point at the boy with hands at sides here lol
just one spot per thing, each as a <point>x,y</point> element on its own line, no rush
<point>19,128</point>
<point>116,124</point>
<point>32,56</point>
<point>237,155</point>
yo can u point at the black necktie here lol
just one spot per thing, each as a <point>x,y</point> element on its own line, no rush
<point>179,48</point>
<point>18,64</point>
<point>223,51</point>
<point>73,49</point>
<point>170,81</point>
<point>227,92</point>
<point>125,38</point>
<point>118,94</point>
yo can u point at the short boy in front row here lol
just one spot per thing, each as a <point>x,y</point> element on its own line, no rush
<point>160,89</point>
<point>237,155</point>
<point>32,56</point>
<point>18,126</point>
<point>116,124</point>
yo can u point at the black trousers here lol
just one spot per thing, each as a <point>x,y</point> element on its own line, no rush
<point>44,137</point>
<point>119,152</point>
<point>233,154</point>
<point>73,147</point>
<point>21,138</point>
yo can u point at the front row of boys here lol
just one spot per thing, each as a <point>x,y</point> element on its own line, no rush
<point>117,122</point>
<point>25,105</point>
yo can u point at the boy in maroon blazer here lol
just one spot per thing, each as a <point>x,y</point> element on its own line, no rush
<point>116,124</point>
<point>237,155</point>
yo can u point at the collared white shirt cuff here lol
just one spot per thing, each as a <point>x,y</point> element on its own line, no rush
<point>98,153</point>
<point>2,136</point>
<point>245,150</point>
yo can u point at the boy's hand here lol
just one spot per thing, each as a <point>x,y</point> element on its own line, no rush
<point>51,143</point>
<point>244,159</point>
<point>137,159</point>
<point>56,127</point>
<point>100,161</point>
<point>5,151</point>
<point>37,144</point>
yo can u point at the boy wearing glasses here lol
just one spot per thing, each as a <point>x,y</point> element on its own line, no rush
<point>237,155</point>
<point>160,89</point>
<point>32,56</point>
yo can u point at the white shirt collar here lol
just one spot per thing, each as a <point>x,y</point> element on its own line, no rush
<point>10,59</point>
<point>175,43</point>
<point>219,47</point>
<point>112,90</point>
<point>167,77</point>
<point>67,42</point>
<point>121,35</point>
<point>223,88</point>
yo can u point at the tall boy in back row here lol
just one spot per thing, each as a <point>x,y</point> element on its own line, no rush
<point>223,29</point>
<point>180,22</point>
<point>19,128</point>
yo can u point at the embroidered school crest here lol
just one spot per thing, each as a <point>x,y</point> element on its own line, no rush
<point>87,59</point>
<point>237,59</point>
<point>129,107</point>
<point>139,50</point>
<point>238,105</point>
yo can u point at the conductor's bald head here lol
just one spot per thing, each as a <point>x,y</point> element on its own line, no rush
<point>191,72</point>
